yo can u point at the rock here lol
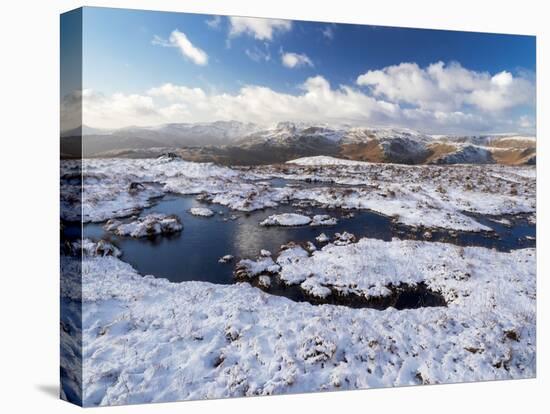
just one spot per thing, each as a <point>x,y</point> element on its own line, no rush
<point>264,281</point>
<point>322,238</point>
<point>225,259</point>
<point>310,247</point>
<point>135,187</point>
<point>342,239</point>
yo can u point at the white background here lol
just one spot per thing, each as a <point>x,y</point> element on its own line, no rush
<point>29,148</point>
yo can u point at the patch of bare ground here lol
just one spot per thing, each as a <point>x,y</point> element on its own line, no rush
<point>370,151</point>
<point>513,143</point>
<point>514,156</point>
<point>437,150</point>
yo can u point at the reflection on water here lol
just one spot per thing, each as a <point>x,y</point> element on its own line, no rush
<point>193,254</point>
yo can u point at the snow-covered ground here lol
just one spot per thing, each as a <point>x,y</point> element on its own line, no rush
<point>145,339</point>
<point>321,160</point>
<point>428,196</point>
<point>148,340</point>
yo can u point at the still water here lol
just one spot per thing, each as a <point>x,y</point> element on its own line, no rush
<point>193,254</point>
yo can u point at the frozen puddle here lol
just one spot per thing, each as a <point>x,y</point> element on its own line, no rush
<point>195,252</point>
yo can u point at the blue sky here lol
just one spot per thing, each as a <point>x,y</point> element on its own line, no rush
<point>439,81</point>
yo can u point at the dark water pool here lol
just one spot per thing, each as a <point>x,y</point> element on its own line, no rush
<point>193,254</point>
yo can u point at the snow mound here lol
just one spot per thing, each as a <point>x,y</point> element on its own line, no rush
<point>286,219</point>
<point>343,239</point>
<point>293,219</point>
<point>226,259</point>
<point>323,220</point>
<point>247,268</point>
<point>322,238</point>
<point>324,160</point>
<point>150,225</point>
<point>201,212</point>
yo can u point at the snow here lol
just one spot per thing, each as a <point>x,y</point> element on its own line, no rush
<point>530,139</point>
<point>201,211</point>
<point>264,281</point>
<point>284,133</point>
<point>145,339</point>
<point>322,238</point>
<point>368,267</point>
<point>324,160</point>
<point>427,196</point>
<point>148,340</point>
<point>107,190</point>
<point>225,259</point>
<point>100,248</point>
<point>323,220</point>
<point>343,239</point>
<point>293,219</point>
<point>286,219</point>
<point>150,225</point>
<point>250,268</point>
<point>466,154</point>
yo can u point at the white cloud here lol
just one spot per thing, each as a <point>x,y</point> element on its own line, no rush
<point>258,55</point>
<point>117,110</point>
<point>295,60</point>
<point>526,122</point>
<point>261,29</point>
<point>328,32</point>
<point>448,87</point>
<point>214,22</point>
<point>188,50</point>
<point>439,99</point>
<point>318,101</point>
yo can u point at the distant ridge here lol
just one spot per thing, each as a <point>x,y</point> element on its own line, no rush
<point>233,142</point>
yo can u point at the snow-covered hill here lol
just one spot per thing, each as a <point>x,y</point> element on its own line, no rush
<point>232,142</point>
<point>322,160</point>
<point>202,133</point>
<point>290,133</point>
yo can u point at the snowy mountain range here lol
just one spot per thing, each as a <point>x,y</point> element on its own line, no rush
<point>233,142</point>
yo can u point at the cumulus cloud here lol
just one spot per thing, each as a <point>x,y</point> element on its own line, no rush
<point>261,29</point>
<point>117,110</point>
<point>448,87</point>
<point>179,40</point>
<point>439,99</point>
<point>317,101</point>
<point>295,60</point>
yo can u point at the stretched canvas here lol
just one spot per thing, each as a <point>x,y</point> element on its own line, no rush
<point>256,206</point>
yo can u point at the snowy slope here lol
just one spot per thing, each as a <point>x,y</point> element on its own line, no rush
<point>247,143</point>
<point>324,160</point>
<point>149,340</point>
